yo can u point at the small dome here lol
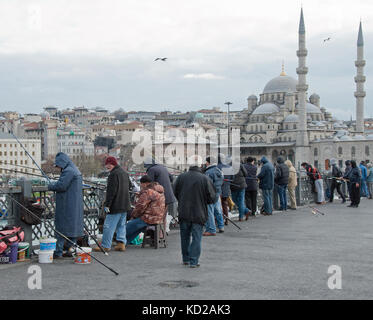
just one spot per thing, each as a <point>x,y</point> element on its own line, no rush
<point>266,108</point>
<point>252,97</point>
<point>291,118</point>
<point>311,108</point>
<point>336,139</point>
<point>281,84</point>
<point>45,115</point>
<point>341,133</point>
<point>315,96</point>
<point>345,138</point>
<point>359,137</point>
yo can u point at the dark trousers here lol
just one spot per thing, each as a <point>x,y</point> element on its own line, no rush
<point>338,186</point>
<point>251,200</point>
<point>224,205</point>
<point>191,239</point>
<point>355,194</point>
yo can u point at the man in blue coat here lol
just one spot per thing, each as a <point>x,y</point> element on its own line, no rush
<point>364,174</point>
<point>69,202</point>
<point>266,177</point>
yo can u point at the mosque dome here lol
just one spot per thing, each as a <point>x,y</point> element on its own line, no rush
<point>45,115</point>
<point>253,97</point>
<point>266,108</point>
<point>292,118</point>
<point>311,108</point>
<point>345,138</point>
<point>315,96</point>
<point>282,83</point>
<point>359,137</point>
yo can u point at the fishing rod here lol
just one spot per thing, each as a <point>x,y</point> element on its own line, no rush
<point>316,211</point>
<point>59,233</point>
<point>23,147</point>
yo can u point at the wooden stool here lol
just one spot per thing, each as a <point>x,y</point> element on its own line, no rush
<point>155,235</point>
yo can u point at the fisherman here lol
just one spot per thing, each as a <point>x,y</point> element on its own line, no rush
<point>316,181</point>
<point>336,181</point>
<point>117,204</point>
<point>266,178</point>
<point>194,192</point>
<point>69,204</point>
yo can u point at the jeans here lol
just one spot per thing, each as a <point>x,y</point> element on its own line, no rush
<point>61,242</point>
<point>114,223</point>
<point>319,185</point>
<point>134,227</point>
<point>336,185</point>
<point>191,242</point>
<point>364,189</point>
<point>214,211</point>
<point>268,201</point>
<point>281,189</point>
<point>370,189</point>
<point>238,198</point>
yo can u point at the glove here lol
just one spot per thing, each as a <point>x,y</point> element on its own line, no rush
<point>107,209</point>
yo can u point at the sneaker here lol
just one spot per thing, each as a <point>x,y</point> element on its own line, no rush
<point>186,263</point>
<point>221,230</point>
<point>97,249</point>
<point>55,257</point>
<point>193,266</point>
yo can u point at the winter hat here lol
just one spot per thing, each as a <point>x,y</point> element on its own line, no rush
<point>333,162</point>
<point>112,161</point>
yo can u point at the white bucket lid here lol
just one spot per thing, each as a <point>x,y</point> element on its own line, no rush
<point>84,250</point>
<point>49,240</point>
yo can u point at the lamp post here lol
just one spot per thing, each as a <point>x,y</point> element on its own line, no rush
<point>228,104</point>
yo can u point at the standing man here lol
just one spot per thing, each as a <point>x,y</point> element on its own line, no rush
<point>160,174</point>
<point>336,181</point>
<point>316,181</point>
<point>345,176</point>
<point>282,181</point>
<point>355,181</point>
<point>238,187</point>
<point>266,177</point>
<point>69,203</point>
<point>117,205</point>
<point>226,187</point>
<point>293,182</point>
<point>251,192</point>
<point>194,192</point>
<point>364,174</point>
<point>214,210</point>
<point>370,180</point>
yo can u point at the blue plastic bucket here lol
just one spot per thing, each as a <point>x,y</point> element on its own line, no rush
<point>48,244</point>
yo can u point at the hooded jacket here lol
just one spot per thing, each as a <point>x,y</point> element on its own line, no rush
<point>266,175</point>
<point>293,182</point>
<point>118,191</point>
<point>251,180</point>
<point>217,179</point>
<point>150,206</point>
<point>69,198</point>
<point>282,172</point>
<point>194,191</point>
<point>160,174</point>
<point>239,181</point>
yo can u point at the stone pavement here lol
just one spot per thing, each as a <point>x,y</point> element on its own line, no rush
<point>285,256</point>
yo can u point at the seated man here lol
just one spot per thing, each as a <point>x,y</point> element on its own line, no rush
<point>149,209</point>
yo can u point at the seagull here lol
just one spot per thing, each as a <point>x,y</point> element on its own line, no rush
<point>163,59</point>
<point>327,39</point>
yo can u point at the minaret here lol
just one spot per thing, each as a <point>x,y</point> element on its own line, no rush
<point>360,80</point>
<point>302,143</point>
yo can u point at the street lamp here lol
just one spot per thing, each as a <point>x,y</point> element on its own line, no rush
<point>228,104</point>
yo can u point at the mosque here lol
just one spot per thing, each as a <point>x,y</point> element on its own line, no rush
<point>284,121</point>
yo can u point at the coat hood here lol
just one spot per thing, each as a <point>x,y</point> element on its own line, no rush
<point>290,165</point>
<point>280,160</point>
<point>264,160</point>
<point>62,160</point>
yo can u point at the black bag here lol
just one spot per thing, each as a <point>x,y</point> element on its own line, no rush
<point>36,208</point>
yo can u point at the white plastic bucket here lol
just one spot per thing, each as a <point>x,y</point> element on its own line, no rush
<point>46,256</point>
<point>47,244</point>
<point>83,256</point>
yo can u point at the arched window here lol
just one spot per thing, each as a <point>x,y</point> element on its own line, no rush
<point>367,150</point>
<point>340,151</point>
<point>315,152</point>
<point>327,164</point>
<point>353,152</point>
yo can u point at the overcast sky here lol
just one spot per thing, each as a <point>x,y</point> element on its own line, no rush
<point>101,53</point>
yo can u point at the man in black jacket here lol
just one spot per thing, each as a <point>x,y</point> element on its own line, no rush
<point>194,191</point>
<point>251,193</point>
<point>336,181</point>
<point>117,205</point>
<point>282,180</point>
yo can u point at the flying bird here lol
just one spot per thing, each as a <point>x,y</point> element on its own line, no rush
<point>328,39</point>
<point>163,59</point>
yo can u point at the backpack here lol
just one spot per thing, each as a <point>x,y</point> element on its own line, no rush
<point>36,208</point>
<point>9,235</point>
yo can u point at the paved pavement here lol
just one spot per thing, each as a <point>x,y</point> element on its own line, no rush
<point>285,256</point>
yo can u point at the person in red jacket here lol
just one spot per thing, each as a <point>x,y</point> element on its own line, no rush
<point>149,209</point>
